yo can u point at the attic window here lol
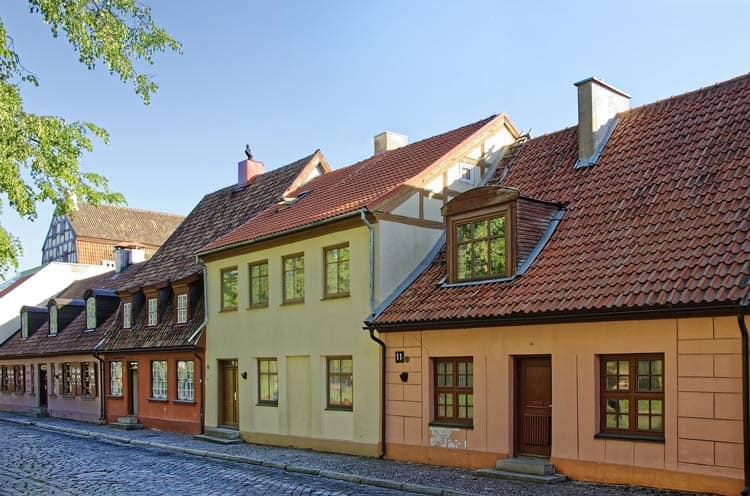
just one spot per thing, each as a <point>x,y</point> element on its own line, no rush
<point>288,201</point>
<point>153,316</point>
<point>182,308</point>
<point>53,320</point>
<point>127,315</point>
<point>25,325</point>
<point>91,313</point>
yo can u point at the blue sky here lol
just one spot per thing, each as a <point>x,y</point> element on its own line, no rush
<point>291,77</point>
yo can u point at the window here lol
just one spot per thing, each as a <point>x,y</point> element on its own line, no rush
<point>185,380</point>
<point>153,312</point>
<point>481,249</point>
<point>20,378</point>
<point>72,379</point>
<point>229,288</point>
<point>336,272</point>
<point>115,378</point>
<point>88,379</point>
<point>25,325</point>
<point>293,278</point>
<point>10,378</point>
<point>632,395</point>
<point>127,315</point>
<point>268,381</point>
<point>159,379</point>
<point>53,320</point>
<point>91,313</point>
<point>340,391</point>
<point>182,308</point>
<point>4,378</point>
<point>259,284</point>
<point>466,173</point>
<point>454,390</point>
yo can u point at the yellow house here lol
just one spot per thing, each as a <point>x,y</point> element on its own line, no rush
<point>287,359</point>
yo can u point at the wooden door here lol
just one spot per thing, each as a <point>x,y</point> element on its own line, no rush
<point>43,386</point>
<point>133,388</point>
<point>229,401</point>
<point>534,406</point>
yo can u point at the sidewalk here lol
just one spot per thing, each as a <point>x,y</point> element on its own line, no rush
<point>411,477</point>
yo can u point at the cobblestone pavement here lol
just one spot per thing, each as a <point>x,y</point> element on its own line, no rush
<point>49,463</point>
<point>282,466</point>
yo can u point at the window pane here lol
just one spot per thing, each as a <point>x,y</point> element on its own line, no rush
<point>464,232</point>
<point>229,288</point>
<point>497,256</point>
<point>656,423</point>
<point>643,422</point>
<point>612,382</point>
<point>346,366</point>
<point>656,384</point>
<point>643,406</point>
<point>497,226</point>
<point>623,383</point>
<point>624,406</point>
<point>611,405</point>
<point>334,365</point>
<point>611,368</point>
<point>611,421</point>
<point>481,258</point>
<point>624,368</point>
<point>656,367</point>
<point>623,422</point>
<point>463,262</point>
<point>655,406</point>
<point>480,229</point>
<point>644,383</point>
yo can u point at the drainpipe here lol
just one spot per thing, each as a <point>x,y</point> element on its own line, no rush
<point>745,398</point>
<point>205,329</point>
<point>202,396</point>
<point>101,386</point>
<point>372,332</point>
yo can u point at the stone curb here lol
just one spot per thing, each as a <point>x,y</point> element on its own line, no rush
<point>340,476</point>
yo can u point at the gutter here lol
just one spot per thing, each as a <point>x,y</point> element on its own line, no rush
<point>372,332</point>
<point>102,417</point>
<point>745,399</point>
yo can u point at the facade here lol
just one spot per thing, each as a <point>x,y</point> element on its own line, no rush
<point>602,328</point>
<point>35,287</point>
<point>287,361</point>
<point>154,352</point>
<point>91,233</point>
<point>48,366</point>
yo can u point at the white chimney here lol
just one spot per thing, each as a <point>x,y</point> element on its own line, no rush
<point>128,255</point>
<point>388,140</point>
<point>598,106</point>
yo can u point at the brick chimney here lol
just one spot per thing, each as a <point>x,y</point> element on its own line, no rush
<point>388,140</point>
<point>598,106</point>
<point>247,170</point>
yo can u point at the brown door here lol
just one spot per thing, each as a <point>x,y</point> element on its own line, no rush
<point>133,388</point>
<point>534,405</point>
<point>229,404</point>
<point>43,385</point>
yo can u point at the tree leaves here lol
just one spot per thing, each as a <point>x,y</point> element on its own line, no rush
<point>40,155</point>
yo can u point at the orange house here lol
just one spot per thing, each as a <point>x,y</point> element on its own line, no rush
<point>586,306</point>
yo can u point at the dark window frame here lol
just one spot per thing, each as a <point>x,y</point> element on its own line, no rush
<point>251,302</point>
<point>286,300</point>
<point>632,394</point>
<point>454,390</point>
<point>339,405</point>
<point>338,293</point>
<point>269,375</point>
<point>226,270</point>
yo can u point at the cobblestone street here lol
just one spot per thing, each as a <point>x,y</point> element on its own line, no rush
<point>47,463</point>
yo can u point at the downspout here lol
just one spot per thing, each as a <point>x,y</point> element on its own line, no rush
<point>204,326</point>
<point>202,414</point>
<point>101,386</point>
<point>745,399</point>
<point>372,332</point>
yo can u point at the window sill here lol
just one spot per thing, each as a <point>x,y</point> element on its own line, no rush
<point>256,307</point>
<point>227,310</point>
<point>330,408</point>
<point>267,403</point>
<point>626,436</point>
<point>292,302</point>
<point>335,296</point>
<point>457,425</point>
<point>88,398</point>
<point>158,400</point>
<point>183,402</point>
<point>115,396</point>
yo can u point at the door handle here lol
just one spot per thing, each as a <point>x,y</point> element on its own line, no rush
<point>235,396</point>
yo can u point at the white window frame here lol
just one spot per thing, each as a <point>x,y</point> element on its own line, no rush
<point>182,308</point>
<point>159,379</point>
<point>53,320</point>
<point>153,312</point>
<point>466,167</point>
<point>91,313</point>
<point>127,315</point>
<point>185,380</point>
<point>25,325</point>
<point>115,378</point>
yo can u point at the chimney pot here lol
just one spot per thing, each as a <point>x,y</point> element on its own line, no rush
<point>247,170</point>
<point>388,140</point>
<point>598,106</point>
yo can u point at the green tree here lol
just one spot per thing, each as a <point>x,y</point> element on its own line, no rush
<point>40,154</point>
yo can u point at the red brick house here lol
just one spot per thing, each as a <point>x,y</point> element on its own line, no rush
<point>587,305</point>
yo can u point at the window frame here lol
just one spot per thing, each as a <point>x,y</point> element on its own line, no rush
<point>181,311</point>
<point>270,376</point>
<point>463,166</point>
<point>326,250</point>
<point>115,378</point>
<point>53,320</point>
<point>632,395</point>
<point>454,390</point>
<point>72,379</point>
<point>454,221</point>
<point>149,313</point>
<point>252,265</point>
<point>91,313</point>
<point>341,405</point>
<point>88,380</point>
<point>25,325</point>
<point>163,381</point>
<point>181,383</point>
<point>285,300</point>
<point>226,270</point>
<point>127,315</point>
<point>19,379</point>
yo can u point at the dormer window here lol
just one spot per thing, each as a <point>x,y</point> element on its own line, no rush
<point>153,316</point>
<point>25,325</point>
<point>182,308</point>
<point>481,248</point>
<point>91,313</point>
<point>53,320</point>
<point>127,315</point>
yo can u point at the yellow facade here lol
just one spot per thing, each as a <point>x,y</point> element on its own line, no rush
<point>300,336</point>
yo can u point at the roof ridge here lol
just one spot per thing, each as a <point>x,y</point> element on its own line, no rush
<point>125,207</point>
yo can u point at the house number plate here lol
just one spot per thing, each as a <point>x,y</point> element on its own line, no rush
<point>399,357</point>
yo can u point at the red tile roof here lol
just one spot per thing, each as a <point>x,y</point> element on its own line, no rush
<point>660,222</point>
<point>349,189</point>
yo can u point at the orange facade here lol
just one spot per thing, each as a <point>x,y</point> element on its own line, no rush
<point>699,448</point>
<point>137,397</point>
